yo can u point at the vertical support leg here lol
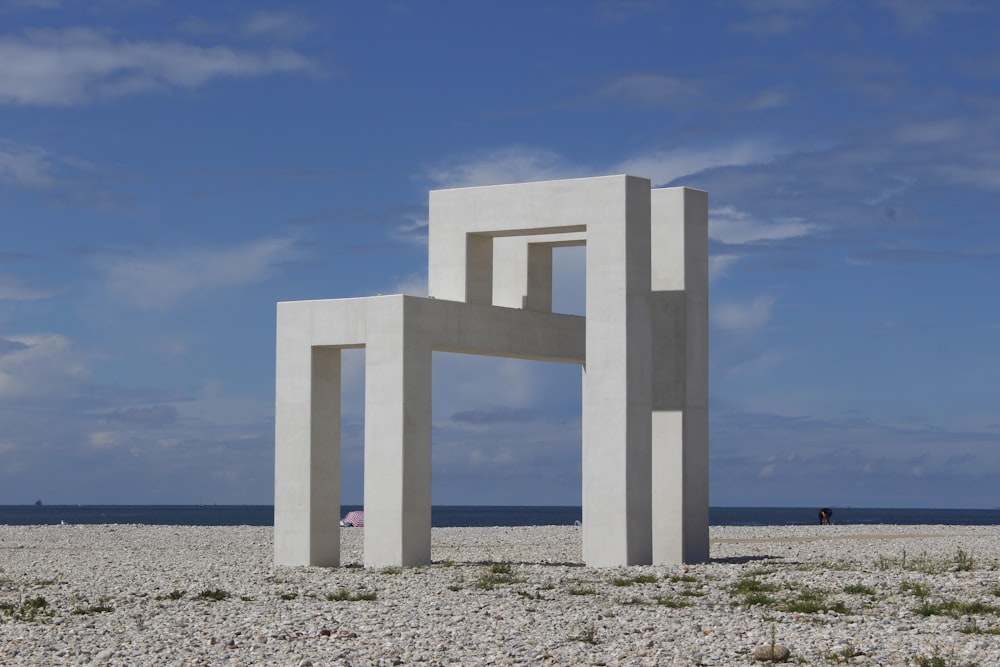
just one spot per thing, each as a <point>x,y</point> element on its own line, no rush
<point>397,439</point>
<point>307,448</point>
<point>617,385</point>
<point>679,306</point>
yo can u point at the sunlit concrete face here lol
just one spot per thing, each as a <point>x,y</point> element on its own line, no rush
<point>643,347</point>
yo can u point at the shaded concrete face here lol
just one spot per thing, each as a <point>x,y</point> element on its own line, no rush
<point>643,346</point>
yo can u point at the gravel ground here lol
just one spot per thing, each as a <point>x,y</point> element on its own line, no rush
<point>169,595</point>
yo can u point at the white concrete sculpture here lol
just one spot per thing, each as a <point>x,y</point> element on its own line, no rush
<point>643,346</point>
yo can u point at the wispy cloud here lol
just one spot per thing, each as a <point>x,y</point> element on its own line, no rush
<point>13,289</point>
<point>516,164</point>
<point>276,25</point>
<point>917,16</point>
<point>151,416</point>
<point>162,281</point>
<point>649,90</point>
<point>664,167</point>
<point>24,166</point>
<point>39,364</point>
<point>719,265</point>
<point>61,67</point>
<point>744,318</point>
<point>776,18</point>
<point>729,225</point>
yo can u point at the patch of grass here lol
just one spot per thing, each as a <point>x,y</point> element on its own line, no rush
<point>859,589</point>
<point>447,563</point>
<point>30,609</point>
<point>955,608</point>
<point>581,590</point>
<point>690,593</point>
<point>631,581</point>
<point>102,607</point>
<point>531,596</point>
<point>344,595</point>
<point>760,572</point>
<point>216,594</point>
<point>289,596</point>
<point>751,599</point>
<point>964,561</point>
<point>938,660</point>
<point>752,585</point>
<point>672,603</point>
<point>844,655</point>
<point>973,628</point>
<point>682,578</point>
<point>175,595</point>
<point>454,587</point>
<point>588,635</point>
<point>498,574</point>
<point>391,570</point>
<point>246,598</point>
<point>45,582</point>
<point>809,602</point>
<point>915,588</point>
<point>922,563</point>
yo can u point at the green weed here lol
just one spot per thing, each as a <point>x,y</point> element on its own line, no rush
<point>216,594</point>
<point>344,595</point>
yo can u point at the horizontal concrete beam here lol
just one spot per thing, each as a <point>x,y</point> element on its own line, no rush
<point>450,326</point>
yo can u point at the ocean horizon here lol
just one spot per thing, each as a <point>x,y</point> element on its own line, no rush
<point>443,516</point>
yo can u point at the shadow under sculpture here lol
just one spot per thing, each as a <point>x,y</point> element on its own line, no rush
<point>643,347</point>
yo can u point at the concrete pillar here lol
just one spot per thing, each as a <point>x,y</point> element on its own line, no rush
<point>510,271</point>
<point>617,381</point>
<point>479,269</point>
<point>397,492</point>
<point>307,445</point>
<point>679,310</point>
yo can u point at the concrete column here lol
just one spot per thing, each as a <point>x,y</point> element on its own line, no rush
<point>617,381</point>
<point>397,438</point>
<point>479,269</point>
<point>679,308</point>
<point>539,295</point>
<point>307,445</point>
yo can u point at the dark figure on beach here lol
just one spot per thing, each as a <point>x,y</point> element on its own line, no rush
<point>824,516</point>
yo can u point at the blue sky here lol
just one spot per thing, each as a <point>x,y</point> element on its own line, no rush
<point>170,170</point>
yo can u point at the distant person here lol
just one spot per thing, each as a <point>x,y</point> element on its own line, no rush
<point>824,516</point>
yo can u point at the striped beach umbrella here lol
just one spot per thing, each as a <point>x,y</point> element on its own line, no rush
<point>355,518</point>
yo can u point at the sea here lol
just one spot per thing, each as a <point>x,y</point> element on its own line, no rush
<point>477,515</point>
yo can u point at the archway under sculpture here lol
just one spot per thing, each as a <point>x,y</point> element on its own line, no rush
<point>643,346</point>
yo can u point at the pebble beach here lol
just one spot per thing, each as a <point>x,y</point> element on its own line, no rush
<point>811,595</point>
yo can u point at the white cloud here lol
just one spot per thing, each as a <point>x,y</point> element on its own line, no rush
<point>517,164</point>
<point>412,285</point>
<point>915,16</point>
<point>718,265</point>
<point>24,166</point>
<point>730,225</point>
<point>282,25</point>
<point>744,317</point>
<point>521,164</point>
<point>649,90</point>
<point>161,282</point>
<point>78,65</point>
<point>39,365</point>
<point>12,289</point>
<point>665,166</point>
